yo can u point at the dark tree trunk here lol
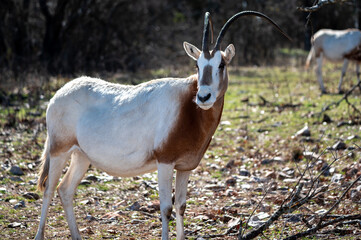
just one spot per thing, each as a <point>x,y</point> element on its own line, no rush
<point>53,28</point>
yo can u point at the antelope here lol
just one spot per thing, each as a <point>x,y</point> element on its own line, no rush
<point>335,45</point>
<point>164,125</point>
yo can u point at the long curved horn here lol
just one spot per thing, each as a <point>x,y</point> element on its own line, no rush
<point>242,14</point>
<point>207,22</point>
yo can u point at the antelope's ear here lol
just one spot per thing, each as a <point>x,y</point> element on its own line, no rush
<point>191,50</point>
<point>229,53</point>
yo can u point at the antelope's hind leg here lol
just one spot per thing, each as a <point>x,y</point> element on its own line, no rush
<point>56,166</point>
<point>78,166</point>
<point>358,74</point>
<point>319,73</point>
<point>343,73</point>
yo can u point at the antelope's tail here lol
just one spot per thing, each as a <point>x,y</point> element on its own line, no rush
<point>309,57</point>
<point>44,167</point>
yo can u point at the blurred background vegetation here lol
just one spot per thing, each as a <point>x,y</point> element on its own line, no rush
<point>73,37</point>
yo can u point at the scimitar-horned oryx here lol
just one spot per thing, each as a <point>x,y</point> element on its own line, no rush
<point>336,46</point>
<point>162,125</point>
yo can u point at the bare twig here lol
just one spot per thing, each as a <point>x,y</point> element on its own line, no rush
<point>339,200</point>
<point>344,98</point>
<point>249,218</point>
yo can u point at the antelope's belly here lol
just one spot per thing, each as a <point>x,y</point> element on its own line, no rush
<point>123,165</point>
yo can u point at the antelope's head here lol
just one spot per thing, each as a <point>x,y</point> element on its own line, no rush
<point>212,65</point>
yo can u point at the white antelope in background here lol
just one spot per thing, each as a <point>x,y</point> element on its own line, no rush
<point>336,45</point>
<point>162,125</point>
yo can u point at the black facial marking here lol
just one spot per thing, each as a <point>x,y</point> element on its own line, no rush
<point>207,76</point>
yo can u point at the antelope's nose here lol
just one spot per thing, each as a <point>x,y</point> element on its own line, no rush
<point>205,98</point>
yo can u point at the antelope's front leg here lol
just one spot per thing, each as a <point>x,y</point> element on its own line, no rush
<point>180,201</point>
<point>165,178</point>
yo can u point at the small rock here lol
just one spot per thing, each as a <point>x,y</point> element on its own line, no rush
<point>289,171</point>
<point>244,172</point>
<point>231,181</point>
<point>266,161</point>
<point>2,190</point>
<point>283,175</point>
<point>92,178</point>
<point>343,123</point>
<point>20,204</point>
<point>240,149</point>
<point>86,202</point>
<point>305,132</point>
<point>325,169</point>
<point>16,170</point>
<point>290,180</point>
<point>270,175</point>
<point>112,231</point>
<point>230,164</point>
<point>326,118</point>
<point>308,139</point>
<point>277,124</point>
<point>337,178</point>
<point>33,182</point>
<point>16,179</point>
<point>89,218</point>
<point>353,137</point>
<point>246,186</point>
<point>15,225</point>
<point>86,230</point>
<point>297,154</point>
<point>214,187</point>
<point>321,211</point>
<point>258,189</point>
<point>351,172</point>
<point>134,207</point>
<point>265,208</point>
<point>294,218</point>
<point>227,123</point>
<point>230,192</point>
<point>85,182</point>
<point>136,221</point>
<point>31,195</point>
<point>154,205</point>
<point>273,186</point>
<point>226,218</point>
<point>112,215</point>
<point>233,222</point>
<point>311,155</point>
<point>339,146</point>
<point>355,196</point>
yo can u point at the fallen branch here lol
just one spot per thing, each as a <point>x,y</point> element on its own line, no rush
<point>339,219</point>
<point>319,4</point>
<point>267,103</point>
<point>318,227</point>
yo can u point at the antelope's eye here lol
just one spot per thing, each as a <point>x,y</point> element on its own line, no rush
<point>221,66</point>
